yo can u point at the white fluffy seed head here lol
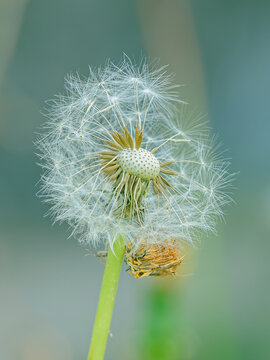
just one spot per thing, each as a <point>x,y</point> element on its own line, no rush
<point>141,163</point>
<point>75,181</point>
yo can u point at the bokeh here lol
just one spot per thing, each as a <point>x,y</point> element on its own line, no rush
<point>219,307</point>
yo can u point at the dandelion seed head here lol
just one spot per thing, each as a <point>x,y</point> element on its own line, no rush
<point>120,157</point>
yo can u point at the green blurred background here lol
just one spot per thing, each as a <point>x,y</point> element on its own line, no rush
<point>220,309</point>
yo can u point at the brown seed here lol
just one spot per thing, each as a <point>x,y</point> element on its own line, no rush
<point>154,150</point>
<point>138,138</point>
<point>167,163</point>
<point>111,168</point>
<point>113,145</point>
<point>168,172</point>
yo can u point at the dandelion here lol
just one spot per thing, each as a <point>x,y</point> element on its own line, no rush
<point>126,169</point>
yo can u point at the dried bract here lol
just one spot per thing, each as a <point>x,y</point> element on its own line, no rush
<point>154,259</point>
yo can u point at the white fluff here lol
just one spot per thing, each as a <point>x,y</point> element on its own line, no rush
<point>76,188</point>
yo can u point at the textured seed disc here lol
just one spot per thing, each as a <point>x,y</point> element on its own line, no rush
<point>141,163</point>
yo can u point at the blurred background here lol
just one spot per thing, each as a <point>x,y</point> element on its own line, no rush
<point>219,308</point>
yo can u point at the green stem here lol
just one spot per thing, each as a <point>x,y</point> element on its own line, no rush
<point>106,300</point>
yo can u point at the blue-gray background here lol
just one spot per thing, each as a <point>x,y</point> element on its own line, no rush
<point>220,50</point>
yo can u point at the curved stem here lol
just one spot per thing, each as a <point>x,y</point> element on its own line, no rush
<point>106,300</point>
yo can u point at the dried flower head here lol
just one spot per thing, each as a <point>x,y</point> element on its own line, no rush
<point>120,158</point>
<point>154,259</point>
